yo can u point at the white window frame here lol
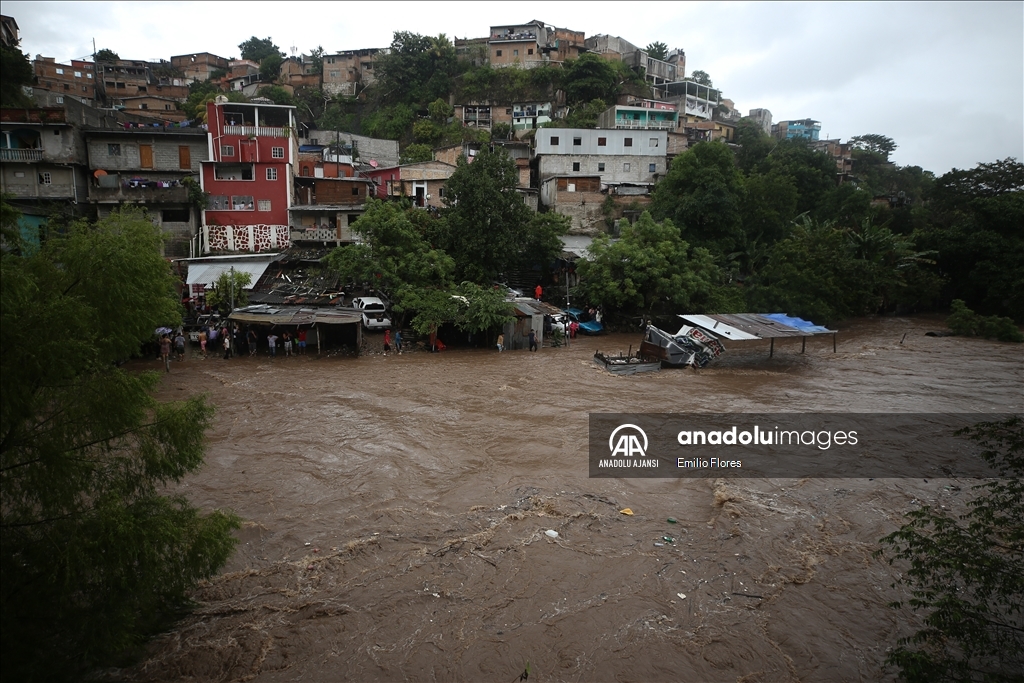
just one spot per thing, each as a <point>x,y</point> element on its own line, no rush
<point>271,173</point>
<point>60,72</point>
<point>263,205</point>
<point>625,167</point>
<point>227,150</point>
<point>45,178</point>
<point>277,152</point>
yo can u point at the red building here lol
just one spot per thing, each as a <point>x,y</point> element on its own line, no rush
<point>253,148</point>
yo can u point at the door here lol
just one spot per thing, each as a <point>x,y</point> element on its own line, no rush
<point>146,156</point>
<point>184,158</point>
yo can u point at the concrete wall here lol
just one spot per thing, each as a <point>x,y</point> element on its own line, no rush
<point>384,152</point>
<point>166,152</point>
<point>618,168</point>
<point>600,141</point>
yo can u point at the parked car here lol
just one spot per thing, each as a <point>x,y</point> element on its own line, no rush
<point>509,292</point>
<point>586,323</point>
<point>375,314</point>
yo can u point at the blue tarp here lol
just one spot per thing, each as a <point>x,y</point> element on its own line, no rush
<point>797,323</point>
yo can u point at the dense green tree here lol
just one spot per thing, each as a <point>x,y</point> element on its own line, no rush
<point>258,49</point>
<point>657,50</point>
<point>276,94</point>
<point>767,210</point>
<point>95,552</point>
<point>416,70</point>
<point>701,77</point>
<point>590,78</point>
<point>702,193</point>
<point>585,115</point>
<point>270,67</point>
<point>485,309</point>
<point>965,574</point>
<point>395,255</point>
<point>106,55</point>
<point>651,269</point>
<point>813,172</point>
<point>976,218</point>
<point>317,57</point>
<point>15,72</point>
<point>489,230</point>
<point>390,123</point>
<point>417,152</point>
<point>875,143</point>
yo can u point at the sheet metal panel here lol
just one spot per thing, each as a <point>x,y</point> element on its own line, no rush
<point>719,327</point>
<point>748,326</point>
<point>207,273</point>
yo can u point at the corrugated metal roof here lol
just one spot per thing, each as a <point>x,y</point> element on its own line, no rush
<point>268,315</point>
<point>747,326</point>
<point>203,272</point>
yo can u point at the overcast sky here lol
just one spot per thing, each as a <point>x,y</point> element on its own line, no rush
<point>945,80</point>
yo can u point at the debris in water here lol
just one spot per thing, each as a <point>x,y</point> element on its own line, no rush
<point>659,545</point>
<point>668,539</point>
<point>626,511</point>
<point>671,520</point>
<point>551,533</point>
<point>681,596</point>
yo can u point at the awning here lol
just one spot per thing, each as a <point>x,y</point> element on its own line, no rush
<point>206,271</point>
<point>747,326</point>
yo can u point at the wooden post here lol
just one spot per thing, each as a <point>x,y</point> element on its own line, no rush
<point>833,342</point>
<point>803,344</point>
<point>771,350</point>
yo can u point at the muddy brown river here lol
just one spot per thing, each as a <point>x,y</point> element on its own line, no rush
<point>395,510</point>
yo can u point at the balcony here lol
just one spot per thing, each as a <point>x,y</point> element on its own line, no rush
<point>139,195</point>
<point>256,131</point>
<point>21,155</point>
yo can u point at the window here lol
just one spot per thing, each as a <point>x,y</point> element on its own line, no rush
<point>67,87</point>
<point>143,106</point>
<point>600,167</point>
<point>530,51</point>
<point>60,100</point>
<point>167,106</point>
<point>263,205</point>
<point>78,74</point>
<point>227,151</point>
<point>114,150</point>
<point>625,167</point>
<point>508,111</point>
<point>627,142</point>
<point>554,141</point>
<point>218,202</point>
<point>602,142</point>
<point>235,172</point>
<point>335,73</point>
<point>440,191</point>
<point>515,53</point>
<point>277,152</point>
<point>60,71</point>
<point>575,165</point>
<point>271,174</point>
<point>577,142</point>
<point>176,215</point>
<point>85,88</point>
<point>44,178</point>
<point>652,168</point>
<point>88,75</point>
<point>242,203</point>
<point>498,53</point>
<point>654,142</point>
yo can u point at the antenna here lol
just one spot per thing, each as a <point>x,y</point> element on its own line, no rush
<point>293,50</point>
<point>94,48</point>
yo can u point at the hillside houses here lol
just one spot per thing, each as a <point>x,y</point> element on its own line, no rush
<point>114,133</point>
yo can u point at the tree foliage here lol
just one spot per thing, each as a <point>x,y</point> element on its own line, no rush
<point>106,55</point>
<point>229,288</point>
<point>657,50</point>
<point>702,193</point>
<point>651,269</point>
<point>416,70</point>
<point>15,72</point>
<point>95,553</point>
<point>590,78</point>
<point>966,574</point>
<point>270,67</point>
<point>257,49</point>
<point>395,255</point>
<point>488,228</point>
<point>875,143</point>
<point>701,77</point>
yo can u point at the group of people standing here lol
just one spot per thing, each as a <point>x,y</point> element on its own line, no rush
<point>233,341</point>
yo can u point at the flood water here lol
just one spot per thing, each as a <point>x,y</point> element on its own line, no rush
<point>395,510</point>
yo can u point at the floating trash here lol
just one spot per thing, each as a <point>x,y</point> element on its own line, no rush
<point>671,520</point>
<point>551,533</point>
<point>626,511</point>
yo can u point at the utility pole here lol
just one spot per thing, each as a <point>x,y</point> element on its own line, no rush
<point>232,290</point>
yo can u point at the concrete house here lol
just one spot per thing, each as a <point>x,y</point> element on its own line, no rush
<point>148,167</point>
<point>616,156</point>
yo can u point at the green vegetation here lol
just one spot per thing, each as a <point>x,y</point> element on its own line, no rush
<point>15,72</point>
<point>966,323</point>
<point>106,55</point>
<point>258,49</point>
<point>96,554</point>
<point>966,574</point>
<point>229,287</point>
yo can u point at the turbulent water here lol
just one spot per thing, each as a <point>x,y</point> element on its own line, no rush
<point>396,507</point>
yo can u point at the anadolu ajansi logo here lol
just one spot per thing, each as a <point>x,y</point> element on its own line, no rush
<point>628,443</point>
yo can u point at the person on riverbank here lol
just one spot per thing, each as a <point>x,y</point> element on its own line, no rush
<point>253,342</point>
<point>398,342</point>
<point>501,343</point>
<point>227,343</point>
<point>272,342</point>
<point>301,337</point>
<point>202,343</point>
<point>179,345</point>
<point>165,351</point>
<point>533,340</point>
<point>387,341</point>
<point>287,337</point>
